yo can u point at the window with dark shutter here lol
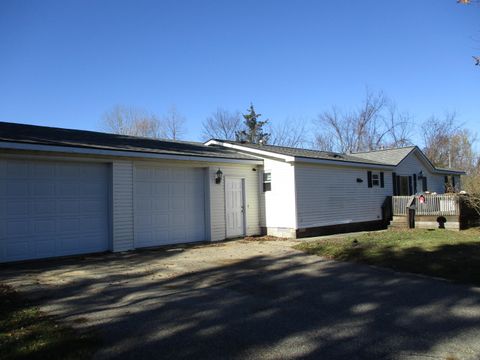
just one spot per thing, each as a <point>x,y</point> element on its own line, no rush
<point>424,184</point>
<point>369,179</point>
<point>410,186</point>
<point>382,180</point>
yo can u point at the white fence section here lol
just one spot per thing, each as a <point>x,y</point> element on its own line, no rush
<point>438,205</point>
<point>445,204</point>
<point>399,205</point>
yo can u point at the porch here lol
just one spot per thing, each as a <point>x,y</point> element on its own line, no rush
<point>431,211</point>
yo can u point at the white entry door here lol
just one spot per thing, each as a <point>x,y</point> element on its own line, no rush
<point>234,207</point>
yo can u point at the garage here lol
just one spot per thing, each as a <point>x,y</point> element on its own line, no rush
<point>169,205</point>
<point>52,208</point>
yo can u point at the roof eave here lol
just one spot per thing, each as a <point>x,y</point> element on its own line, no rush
<point>120,153</point>
<point>343,163</point>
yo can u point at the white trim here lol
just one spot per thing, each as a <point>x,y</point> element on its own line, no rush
<point>118,153</point>
<point>208,204</point>
<point>292,159</point>
<point>343,163</point>
<point>247,149</point>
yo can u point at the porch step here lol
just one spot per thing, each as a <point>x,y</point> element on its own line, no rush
<point>399,222</point>
<point>398,226</point>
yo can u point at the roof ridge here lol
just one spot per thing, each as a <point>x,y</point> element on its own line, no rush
<point>282,146</point>
<point>378,150</point>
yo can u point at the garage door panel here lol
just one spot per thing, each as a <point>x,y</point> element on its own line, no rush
<point>52,209</point>
<point>67,171</point>
<point>175,198</point>
<point>92,206</point>
<point>44,247</point>
<point>42,188</point>
<point>45,207</point>
<point>17,169</point>
<point>17,250</point>
<point>44,227</point>
<point>64,188</point>
<point>17,208</point>
<point>68,207</point>
<point>160,220</point>
<point>18,188</point>
<point>92,189</point>
<point>17,227</point>
<point>43,170</point>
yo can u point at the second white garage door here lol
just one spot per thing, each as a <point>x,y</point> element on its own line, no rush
<point>169,205</point>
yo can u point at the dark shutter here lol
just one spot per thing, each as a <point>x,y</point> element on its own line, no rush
<point>424,184</point>
<point>446,179</point>
<point>410,186</point>
<point>369,178</point>
<point>382,180</point>
<point>414,183</point>
<point>394,183</point>
<point>453,181</point>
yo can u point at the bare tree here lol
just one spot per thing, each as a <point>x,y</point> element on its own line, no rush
<point>132,121</point>
<point>291,133</point>
<point>447,144</point>
<point>374,124</point>
<point>222,124</point>
<point>173,125</point>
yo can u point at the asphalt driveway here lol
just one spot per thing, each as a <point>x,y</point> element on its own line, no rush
<point>250,299</point>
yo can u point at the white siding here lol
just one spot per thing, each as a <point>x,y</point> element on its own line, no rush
<point>217,199</point>
<point>413,165</point>
<point>329,195</point>
<point>122,204</point>
<point>280,201</point>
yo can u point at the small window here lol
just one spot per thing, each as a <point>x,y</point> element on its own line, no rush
<point>267,181</point>
<point>375,179</point>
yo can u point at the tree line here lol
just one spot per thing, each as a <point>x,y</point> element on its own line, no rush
<point>376,123</point>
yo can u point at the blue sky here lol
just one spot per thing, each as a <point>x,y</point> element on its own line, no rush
<point>64,63</point>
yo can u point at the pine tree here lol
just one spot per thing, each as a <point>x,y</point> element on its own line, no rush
<point>253,132</point>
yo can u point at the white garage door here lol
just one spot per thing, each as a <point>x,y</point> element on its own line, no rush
<point>169,205</point>
<point>52,209</point>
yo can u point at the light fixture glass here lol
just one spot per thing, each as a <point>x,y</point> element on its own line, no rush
<point>218,176</point>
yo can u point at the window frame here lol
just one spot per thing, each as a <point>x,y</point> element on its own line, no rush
<point>267,181</point>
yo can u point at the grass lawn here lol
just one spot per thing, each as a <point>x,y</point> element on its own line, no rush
<point>27,333</point>
<point>448,254</point>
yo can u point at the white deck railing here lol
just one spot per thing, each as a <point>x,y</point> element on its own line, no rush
<point>437,205</point>
<point>399,205</point>
<point>445,204</point>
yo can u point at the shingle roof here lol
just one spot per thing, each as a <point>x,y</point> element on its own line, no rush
<point>386,156</point>
<point>42,135</point>
<point>306,153</point>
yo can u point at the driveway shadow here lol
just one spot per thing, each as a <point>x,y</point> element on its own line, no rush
<point>267,307</point>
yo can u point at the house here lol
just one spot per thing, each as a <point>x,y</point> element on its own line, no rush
<point>309,192</point>
<point>66,192</point>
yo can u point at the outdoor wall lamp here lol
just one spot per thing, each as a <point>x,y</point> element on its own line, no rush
<point>420,175</point>
<point>218,176</point>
